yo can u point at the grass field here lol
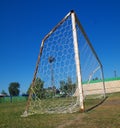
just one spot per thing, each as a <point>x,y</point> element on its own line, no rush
<point>107,115</point>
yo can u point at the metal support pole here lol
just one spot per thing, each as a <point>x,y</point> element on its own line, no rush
<point>104,89</point>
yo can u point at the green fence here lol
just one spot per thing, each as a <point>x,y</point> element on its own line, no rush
<point>105,80</point>
<point>13,99</point>
<point>112,79</point>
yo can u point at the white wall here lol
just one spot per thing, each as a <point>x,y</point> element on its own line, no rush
<point>97,88</point>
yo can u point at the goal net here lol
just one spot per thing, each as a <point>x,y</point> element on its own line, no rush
<point>68,71</point>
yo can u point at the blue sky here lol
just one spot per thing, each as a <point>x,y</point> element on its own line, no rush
<point>23,24</point>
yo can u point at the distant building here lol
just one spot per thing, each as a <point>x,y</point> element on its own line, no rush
<point>2,95</point>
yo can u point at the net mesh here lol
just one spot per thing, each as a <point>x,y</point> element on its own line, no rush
<point>56,89</point>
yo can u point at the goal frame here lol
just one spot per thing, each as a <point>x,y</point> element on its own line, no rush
<point>77,59</point>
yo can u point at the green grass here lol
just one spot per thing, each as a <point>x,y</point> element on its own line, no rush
<point>107,115</point>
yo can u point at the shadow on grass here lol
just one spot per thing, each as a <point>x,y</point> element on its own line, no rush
<point>93,107</point>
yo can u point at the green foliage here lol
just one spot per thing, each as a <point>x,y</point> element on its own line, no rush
<point>41,92</point>
<point>67,88</point>
<point>14,89</point>
<point>39,88</point>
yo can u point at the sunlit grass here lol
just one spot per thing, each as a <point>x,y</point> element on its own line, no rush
<point>107,115</point>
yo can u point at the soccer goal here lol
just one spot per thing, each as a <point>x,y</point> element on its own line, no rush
<point>68,72</point>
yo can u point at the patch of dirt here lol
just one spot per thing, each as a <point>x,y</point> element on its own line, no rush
<point>112,102</point>
<point>79,119</point>
<point>70,122</point>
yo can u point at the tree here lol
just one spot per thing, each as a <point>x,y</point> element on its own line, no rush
<point>67,88</point>
<point>63,87</point>
<point>38,88</point>
<point>14,89</point>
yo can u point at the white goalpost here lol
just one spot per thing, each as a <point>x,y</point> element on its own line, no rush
<point>77,60</point>
<point>68,71</point>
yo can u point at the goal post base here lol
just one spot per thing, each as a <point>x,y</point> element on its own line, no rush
<point>25,114</point>
<point>82,110</point>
